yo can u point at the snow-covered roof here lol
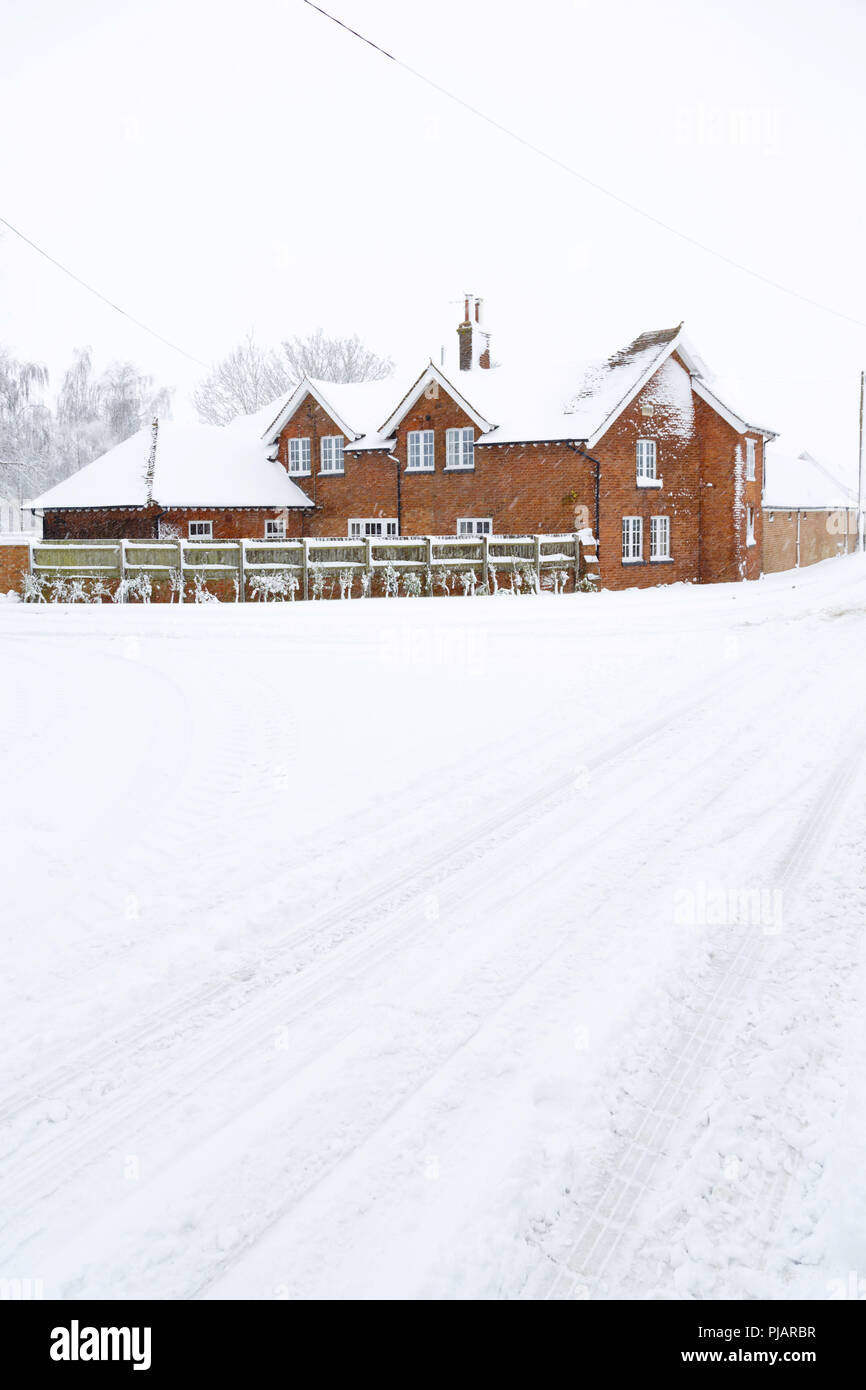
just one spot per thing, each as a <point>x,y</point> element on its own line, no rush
<point>797,481</point>
<point>203,465</point>
<point>196,466</point>
<point>536,400</point>
<point>356,408</point>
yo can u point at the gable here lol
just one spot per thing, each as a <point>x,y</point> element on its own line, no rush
<point>303,391</point>
<point>433,380</point>
<point>310,415</point>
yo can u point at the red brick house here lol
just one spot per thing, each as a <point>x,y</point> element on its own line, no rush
<point>636,447</point>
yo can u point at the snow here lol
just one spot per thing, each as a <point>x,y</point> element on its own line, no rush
<point>801,481</point>
<point>203,465</point>
<point>196,466</point>
<point>529,400</point>
<point>432,948</point>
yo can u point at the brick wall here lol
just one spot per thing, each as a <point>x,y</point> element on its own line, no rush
<point>14,564</point>
<point>674,427</point>
<point>823,534</point>
<point>140,523</point>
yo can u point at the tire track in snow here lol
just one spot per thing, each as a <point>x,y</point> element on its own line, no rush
<point>412,883</point>
<point>234,1036</point>
<point>610,1226</point>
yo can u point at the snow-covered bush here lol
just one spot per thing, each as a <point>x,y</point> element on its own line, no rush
<point>32,589</point>
<point>202,593</point>
<point>58,589</point>
<point>587,584</point>
<point>441,579</point>
<point>274,585</point>
<point>412,585</point>
<point>469,581</point>
<point>345,578</point>
<point>366,583</point>
<point>175,583</point>
<point>530,578</point>
<point>128,588</point>
<point>76,591</point>
<point>391,580</point>
<point>317,574</point>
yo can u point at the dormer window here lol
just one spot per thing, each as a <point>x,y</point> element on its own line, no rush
<point>460,448</point>
<point>332,453</point>
<point>645,461</point>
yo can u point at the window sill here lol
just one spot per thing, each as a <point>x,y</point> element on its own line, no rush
<point>634,562</point>
<point>420,470</point>
<point>459,468</point>
<point>306,473</point>
<point>331,473</point>
<point>649,482</point>
<point>661,559</point>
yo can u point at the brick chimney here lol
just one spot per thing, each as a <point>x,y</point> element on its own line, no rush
<point>473,338</point>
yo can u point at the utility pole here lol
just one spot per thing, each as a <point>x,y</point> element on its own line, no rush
<point>860,468</point>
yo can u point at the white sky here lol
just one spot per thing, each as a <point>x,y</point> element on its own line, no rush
<point>215,167</point>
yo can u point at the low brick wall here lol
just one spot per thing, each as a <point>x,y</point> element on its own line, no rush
<point>14,564</point>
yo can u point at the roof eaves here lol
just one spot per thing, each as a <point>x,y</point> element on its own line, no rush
<point>736,421</point>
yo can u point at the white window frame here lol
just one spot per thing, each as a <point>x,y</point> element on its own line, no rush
<point>646,463</point>
<point>301,466</point>
<point>460,447</point>
<point>751,460</point>
<point>632,540</point>
<point>474,526</point>
<point>420,445</point>
<point>330,454</point>
<point>206,535</point>
<point>275,535</point>
<point>660,533</point>
<point>378,528</point>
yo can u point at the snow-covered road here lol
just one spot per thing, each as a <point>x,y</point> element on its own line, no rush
<point>437,948</point>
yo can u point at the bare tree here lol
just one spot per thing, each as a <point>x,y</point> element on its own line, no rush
<point>242,383</point>
<point>95,413</point>
<point>25,426</point>
<point>334,359</point>
<point>252,376</point>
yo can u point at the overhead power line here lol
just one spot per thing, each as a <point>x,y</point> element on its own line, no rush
<point>92,290</point>
<point>569,169</point>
